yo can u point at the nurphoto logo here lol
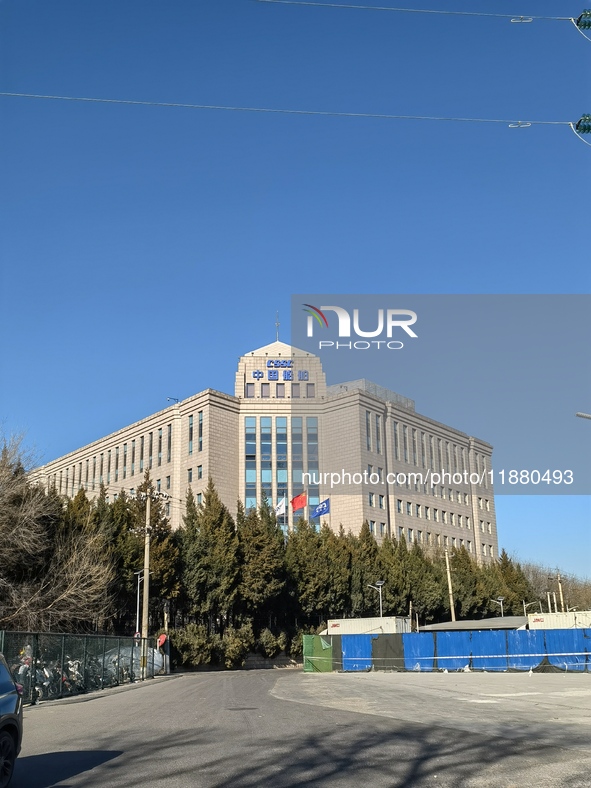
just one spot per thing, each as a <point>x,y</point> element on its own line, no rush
<point>387,321</point>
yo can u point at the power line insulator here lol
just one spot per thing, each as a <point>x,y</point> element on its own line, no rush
<point>584,21</point>
<point>584,124</point>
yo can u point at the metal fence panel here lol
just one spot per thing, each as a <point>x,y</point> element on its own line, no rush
<point>53,665</point>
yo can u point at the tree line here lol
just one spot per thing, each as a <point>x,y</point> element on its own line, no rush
<point>230,585</point>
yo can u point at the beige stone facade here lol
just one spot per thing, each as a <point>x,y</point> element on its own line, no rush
<point>362,447</point>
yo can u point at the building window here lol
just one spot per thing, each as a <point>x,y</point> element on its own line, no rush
<point>142,454</point>
<point>418,510</point>
<point>372,527</point>
<point>378,434</point>
<point>116,465</point>
<point>399,506</point>
<point>410,535</point>
<point>453,541</point>
<point>310,390</point>
<point>191,434</point>
<point>199,498</point>
<point>368,430</point>
<point>200,431</point>
<point>382,529</point>
<point>460,521</point>
<point>489,528</point>
<point>419,536</point>
<point>381,501</point>
<point>480,503</point>
<point>190,475</point>
<point>372,499</point>
<point>280,390</point>
<point>491,550</point>
<point>468,524</point>
<point>249,390</point>
<point>488,506</point>
<point>452,518</point>
<point>168,482</point>
<point>466,499</point>
<point>482,526</point>
<point>295,390</point>
<point>415,460</point>
<point>200,471</point>
<point>109,467</point>
<point>169,443</point>
<point>427,513</point>
<point>409,508</point>
<point>160,446</point>
<point>436,515</point>
<point>250,458</point>
<point>125,460</point>
<point>405,442</point>
<point>396,446</point>
<point>444,517</point>
<point>400,532</point>
<point>167,510</point>
<point>132,457</point>
<point>158,485</point>
<point>265,390</point>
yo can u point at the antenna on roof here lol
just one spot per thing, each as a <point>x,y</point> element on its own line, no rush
<point>277,324</point>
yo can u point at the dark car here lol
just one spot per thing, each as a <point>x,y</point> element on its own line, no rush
<point>11,722</point>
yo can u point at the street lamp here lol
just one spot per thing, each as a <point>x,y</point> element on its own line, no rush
<point>525,606</point>
<point>139,574</point>
<point>140,577</point>
<point>499,600</point>
<point>378,587</point>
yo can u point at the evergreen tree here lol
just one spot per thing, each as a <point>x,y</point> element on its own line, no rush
<point>262,562</point>
<point>307,578</point>
<point>364,570</point>
<point>210,565</point>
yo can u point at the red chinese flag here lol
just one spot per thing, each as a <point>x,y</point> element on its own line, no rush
<point>299,501</point>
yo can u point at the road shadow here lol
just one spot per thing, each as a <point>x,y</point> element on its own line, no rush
<point>44,771</point>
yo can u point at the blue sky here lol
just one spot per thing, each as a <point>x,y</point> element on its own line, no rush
<point>146,248</point>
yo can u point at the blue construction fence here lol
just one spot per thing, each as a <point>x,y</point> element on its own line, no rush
<point>540,650</point>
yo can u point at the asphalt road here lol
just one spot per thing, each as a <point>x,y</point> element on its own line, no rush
<point>285,728</point>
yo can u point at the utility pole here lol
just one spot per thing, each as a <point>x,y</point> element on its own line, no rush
<point>146,597</point>
<point>449,587</point>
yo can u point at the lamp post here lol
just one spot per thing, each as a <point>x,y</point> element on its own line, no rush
<point>139,574</point>
<point>378,587</point>
<point>525,606</point>
<point>499,600</point>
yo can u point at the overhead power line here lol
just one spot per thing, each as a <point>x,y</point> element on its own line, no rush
<point>284,111</point>
<point>512,17</point>
<point>514,124</point>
